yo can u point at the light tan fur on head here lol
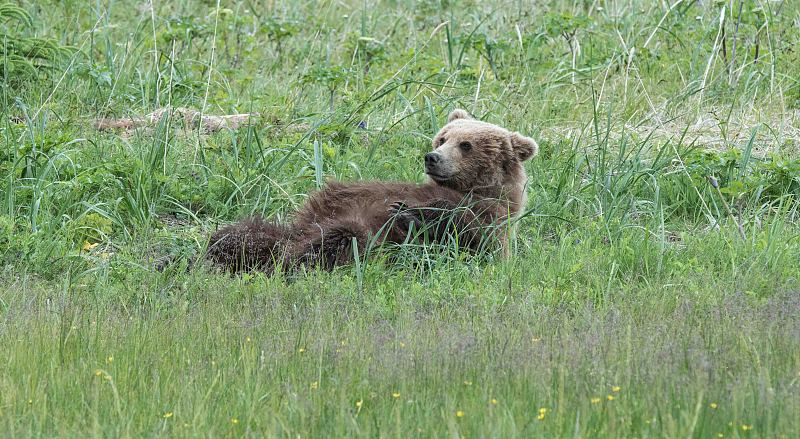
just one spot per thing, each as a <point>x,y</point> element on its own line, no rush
<point>481,158</point>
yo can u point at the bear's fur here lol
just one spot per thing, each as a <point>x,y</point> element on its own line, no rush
<point>475,181</point>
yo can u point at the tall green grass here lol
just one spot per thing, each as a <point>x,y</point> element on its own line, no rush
<point>630,270</point>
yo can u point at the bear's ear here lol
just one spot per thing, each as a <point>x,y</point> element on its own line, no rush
<point>523,146</point>
<point>458,114</point>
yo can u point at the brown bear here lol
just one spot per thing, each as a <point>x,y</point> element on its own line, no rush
<point>476,181</point>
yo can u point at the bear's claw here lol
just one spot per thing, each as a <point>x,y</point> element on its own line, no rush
<point>404,217</point>
<point>397,207</point>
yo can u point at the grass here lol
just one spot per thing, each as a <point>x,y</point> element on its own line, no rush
<point>641,300</point>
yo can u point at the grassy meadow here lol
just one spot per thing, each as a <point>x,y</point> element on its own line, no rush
<point>654,283</point>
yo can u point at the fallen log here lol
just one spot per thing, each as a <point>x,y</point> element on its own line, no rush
<point>191,119</point>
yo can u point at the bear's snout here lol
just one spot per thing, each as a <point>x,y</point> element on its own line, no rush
<point>438,166</point>
<point>432,159</point>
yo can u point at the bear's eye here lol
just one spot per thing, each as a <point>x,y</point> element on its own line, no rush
<point>442,140</point>
<point>466,146</point>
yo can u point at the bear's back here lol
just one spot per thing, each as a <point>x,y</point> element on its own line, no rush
<point>367,202</point>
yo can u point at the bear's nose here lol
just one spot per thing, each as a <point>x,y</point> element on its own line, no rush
<point>432,158</point>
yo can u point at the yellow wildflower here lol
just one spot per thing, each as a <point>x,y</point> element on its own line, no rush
<point>746,427</point>
<point>595,400</point>
<point>713,405</point>
<point>87,246</point>
<point>315,385</point>
<point>247,340</point>
<point>616,389</point>
<point>610,397</point>
<point>720,435</point>
<point>98,372</point>
<point>459,414</point>
<point>359,403</point>
<point>167,415</point>
<point>467,383</point>
<point>234,421</point>
<point>493,401</point>
<point>395,395</point>
<point>110,359</point>
<point>301,350</point>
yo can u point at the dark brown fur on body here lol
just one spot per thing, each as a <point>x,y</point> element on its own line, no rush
<point>323,230</point>
<point>469,194</point>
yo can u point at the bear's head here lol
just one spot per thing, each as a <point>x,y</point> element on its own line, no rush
<point>477,157</point>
